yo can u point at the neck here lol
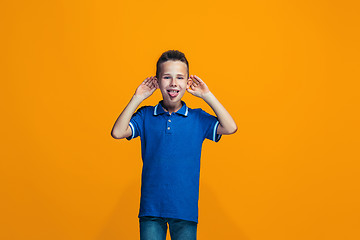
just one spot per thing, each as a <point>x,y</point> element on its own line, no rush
<point>171,107</point>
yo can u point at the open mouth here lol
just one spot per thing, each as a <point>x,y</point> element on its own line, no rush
<point>173,93</point>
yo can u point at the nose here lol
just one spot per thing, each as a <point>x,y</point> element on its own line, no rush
<point>173,82</point>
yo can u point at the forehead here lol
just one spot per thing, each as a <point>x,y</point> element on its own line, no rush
<point>170,67</point>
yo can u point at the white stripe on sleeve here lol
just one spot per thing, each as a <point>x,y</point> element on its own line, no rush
<point>132,130</point>
<point>214,133</point>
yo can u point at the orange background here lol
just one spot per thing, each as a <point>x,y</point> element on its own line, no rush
<point>287,71</point>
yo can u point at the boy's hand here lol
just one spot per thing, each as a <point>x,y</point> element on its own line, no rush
<point>147,87</point>
<point>198,87</point>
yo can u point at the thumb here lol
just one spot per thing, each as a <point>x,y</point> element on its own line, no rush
<point>190,91</point>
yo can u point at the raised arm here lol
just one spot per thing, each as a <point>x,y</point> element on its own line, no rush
<point>199,88</point>
<point>121,128</point>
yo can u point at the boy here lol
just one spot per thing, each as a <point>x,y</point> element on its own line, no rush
<point>171,139</point>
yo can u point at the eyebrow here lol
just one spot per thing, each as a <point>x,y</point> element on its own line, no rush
<point>177,74</point>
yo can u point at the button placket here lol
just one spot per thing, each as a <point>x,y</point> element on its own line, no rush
<point>168,126</point>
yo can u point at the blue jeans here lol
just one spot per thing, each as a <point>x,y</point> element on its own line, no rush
<point>155,228</point>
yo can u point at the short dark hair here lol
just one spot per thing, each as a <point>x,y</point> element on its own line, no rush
<point>171,55</point>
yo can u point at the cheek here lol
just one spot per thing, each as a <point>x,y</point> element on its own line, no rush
<point>163,83</point>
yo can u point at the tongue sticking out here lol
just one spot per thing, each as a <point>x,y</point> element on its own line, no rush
<point>173,94</point>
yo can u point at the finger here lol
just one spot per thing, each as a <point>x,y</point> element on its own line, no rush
<point>199,79</point>
<point>150,84</point>
<point>154,82</point>
<point>195,80</point>
<point>190,91</point>
<point>146,80</point>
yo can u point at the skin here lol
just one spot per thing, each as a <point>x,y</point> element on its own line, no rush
<point>173,76</point>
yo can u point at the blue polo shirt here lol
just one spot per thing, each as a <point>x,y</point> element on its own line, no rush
<point>171,150</point>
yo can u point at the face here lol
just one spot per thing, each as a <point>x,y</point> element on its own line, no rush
<point>173,81</point>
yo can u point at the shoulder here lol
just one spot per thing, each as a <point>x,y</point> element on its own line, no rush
<point>199,112</point>
<point>145,108</point>
<point>143,111</point>
<point>201,115</point>
<point>194,111</point>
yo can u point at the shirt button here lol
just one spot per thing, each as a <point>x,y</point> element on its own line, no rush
<point>168,128</point>
<point>169,120</point>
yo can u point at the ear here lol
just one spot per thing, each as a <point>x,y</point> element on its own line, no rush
<point>189,82</point>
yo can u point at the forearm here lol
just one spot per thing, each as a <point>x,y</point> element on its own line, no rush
<point>225,119</point>
<point>122,122</point>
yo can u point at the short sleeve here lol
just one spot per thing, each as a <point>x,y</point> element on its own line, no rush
<point>136,123</point>
<point>210,125</point>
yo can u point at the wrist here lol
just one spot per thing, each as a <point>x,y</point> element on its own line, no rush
<point>207,95</point>
<point>138,98</point>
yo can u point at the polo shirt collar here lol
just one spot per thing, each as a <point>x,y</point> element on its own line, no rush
<point>184,110</point>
